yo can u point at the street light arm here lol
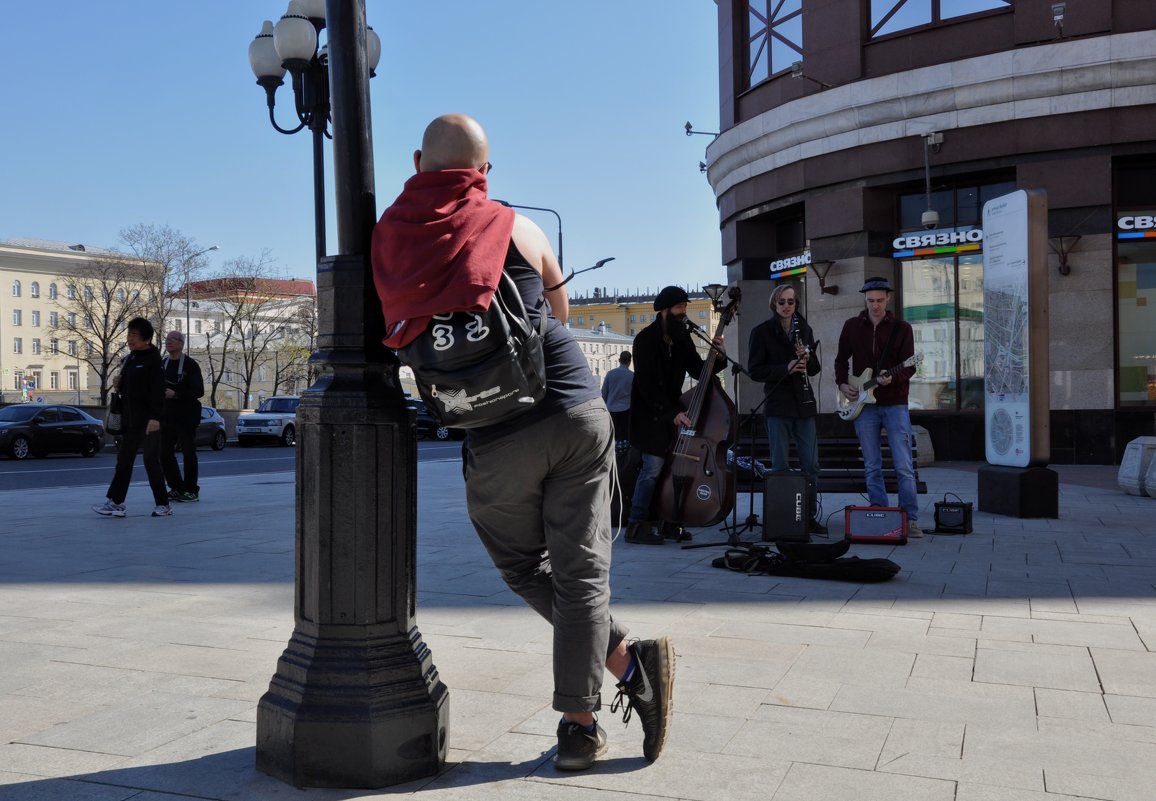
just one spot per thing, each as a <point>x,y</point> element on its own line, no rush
<point>270,86</point>
<point>540,208</point>
<point>579,272</point>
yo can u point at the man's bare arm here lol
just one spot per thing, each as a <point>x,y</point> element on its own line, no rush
<point>532,243</point>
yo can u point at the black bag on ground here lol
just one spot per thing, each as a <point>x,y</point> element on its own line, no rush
<point>477,369</point>
<point>807,560</point>
<point>629,464</point>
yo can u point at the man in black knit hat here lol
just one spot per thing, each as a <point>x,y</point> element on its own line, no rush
<point>664,356</point>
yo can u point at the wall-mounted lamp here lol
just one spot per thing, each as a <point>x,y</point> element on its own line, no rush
<point>1062,247</point>
<point>797,72</point>
<point>932,143</point>
<point>702,166</point>
<point>822,276</point>
<point>1058,10</point>
<point>690,131</point>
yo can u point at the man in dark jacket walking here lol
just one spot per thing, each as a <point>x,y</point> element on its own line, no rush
<point>184,385</point>
<point>782,357</point>
<point>141,385</point>
<point>664,356</point>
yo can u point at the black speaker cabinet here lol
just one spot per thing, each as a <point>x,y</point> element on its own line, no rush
<point>786,508</point>
<point>876,524</point>
<point>953,517</point>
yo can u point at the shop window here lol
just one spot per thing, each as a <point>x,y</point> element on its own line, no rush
<point>1136,313</point>
<point>947,320</point>
<point>774,37</point>
<point>889,16</point>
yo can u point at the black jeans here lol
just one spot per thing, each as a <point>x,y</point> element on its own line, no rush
<point>130,441</point>
<point>173,434</point>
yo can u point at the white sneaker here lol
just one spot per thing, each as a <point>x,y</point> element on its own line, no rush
<point>163,511</point>
<point>110,509</point>
<point>913,530</point>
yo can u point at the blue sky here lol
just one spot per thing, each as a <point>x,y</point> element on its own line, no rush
<point>139,111</point>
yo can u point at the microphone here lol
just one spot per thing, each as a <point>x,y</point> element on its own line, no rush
<point>692,326</point>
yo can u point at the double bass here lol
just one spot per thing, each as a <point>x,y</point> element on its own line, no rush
<point>697,487</point>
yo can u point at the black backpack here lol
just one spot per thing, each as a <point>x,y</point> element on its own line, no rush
<point>477,369</point>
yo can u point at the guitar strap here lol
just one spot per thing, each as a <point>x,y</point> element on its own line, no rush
<point>887,347</point>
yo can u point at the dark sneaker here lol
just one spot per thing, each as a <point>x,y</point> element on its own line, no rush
<point>577,747</point>
<point>189,497</point>
<point>175,495</point>
<point>163,511</point>
<point>648,692</point>
<point>673,531</point>
<point>110,509</point>
<point>644,533</point>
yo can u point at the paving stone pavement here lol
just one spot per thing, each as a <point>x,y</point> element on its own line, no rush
<point>1011,664</point>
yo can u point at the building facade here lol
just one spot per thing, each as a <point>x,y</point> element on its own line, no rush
<point>863,137</point>
<point>38,360</point>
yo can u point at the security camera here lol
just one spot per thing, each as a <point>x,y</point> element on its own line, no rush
<point>930,219</point>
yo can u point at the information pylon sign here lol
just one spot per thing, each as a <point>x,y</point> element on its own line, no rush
<point>1015,329</point>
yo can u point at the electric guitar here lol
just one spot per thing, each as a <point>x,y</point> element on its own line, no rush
<point>850,409</point>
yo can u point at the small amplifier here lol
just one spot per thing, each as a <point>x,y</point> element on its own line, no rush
<point>876,524</point>
<point>786,508</point>
<point>952,517</point>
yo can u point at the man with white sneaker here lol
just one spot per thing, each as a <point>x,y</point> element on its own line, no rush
<point>141,384</point>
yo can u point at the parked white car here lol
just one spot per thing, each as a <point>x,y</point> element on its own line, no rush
<point>275,419</point>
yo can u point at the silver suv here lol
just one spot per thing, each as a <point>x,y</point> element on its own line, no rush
<point>275,418</point>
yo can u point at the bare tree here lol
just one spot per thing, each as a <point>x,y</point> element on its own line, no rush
<point>95,310</point>
<point>170,260</point>
<point>256,323</point>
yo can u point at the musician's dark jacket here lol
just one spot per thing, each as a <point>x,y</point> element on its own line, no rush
<point>770,351</point>
<point>863,343</point>
<point>660,366</point>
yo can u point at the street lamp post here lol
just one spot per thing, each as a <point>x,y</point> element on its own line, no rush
<point>356,700</point>
<point>188,294</point>
<point>539,208</point>
<point>292,44</point>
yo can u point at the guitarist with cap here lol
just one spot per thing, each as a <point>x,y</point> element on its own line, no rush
<point>874,340</point>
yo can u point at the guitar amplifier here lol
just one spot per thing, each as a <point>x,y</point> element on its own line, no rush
<point>786,508</point>
<point>952,517</point>
<point>876,524</point>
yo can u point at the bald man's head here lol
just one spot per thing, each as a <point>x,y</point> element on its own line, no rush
<point>453,141</point>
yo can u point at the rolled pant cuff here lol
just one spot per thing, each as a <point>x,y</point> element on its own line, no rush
<point>568,703</point>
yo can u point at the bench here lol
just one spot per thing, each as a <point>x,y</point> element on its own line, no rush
<point>840,462</point>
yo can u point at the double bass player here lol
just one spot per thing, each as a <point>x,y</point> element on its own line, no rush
<point>664,355</point>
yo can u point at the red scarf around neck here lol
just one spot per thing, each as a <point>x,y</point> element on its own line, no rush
<point>439,248</point>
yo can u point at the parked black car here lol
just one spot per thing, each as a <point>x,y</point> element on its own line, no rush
<point>38,429</point>
<point>429,427</point>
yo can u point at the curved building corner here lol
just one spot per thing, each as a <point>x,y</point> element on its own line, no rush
<point>845,122</point>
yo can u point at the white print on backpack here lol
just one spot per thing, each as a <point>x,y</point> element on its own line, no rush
<point>443,335</point>
<point>477,331</point>
<point>456,400</point>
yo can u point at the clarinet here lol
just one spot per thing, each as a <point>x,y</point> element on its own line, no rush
<point>809,391</point>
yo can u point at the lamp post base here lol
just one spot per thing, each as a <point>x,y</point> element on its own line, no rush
<point>354,711</point>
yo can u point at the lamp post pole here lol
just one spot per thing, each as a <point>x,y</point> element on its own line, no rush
<point>356,700</point>
<point>188,294</point>
<point>540,208</point>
